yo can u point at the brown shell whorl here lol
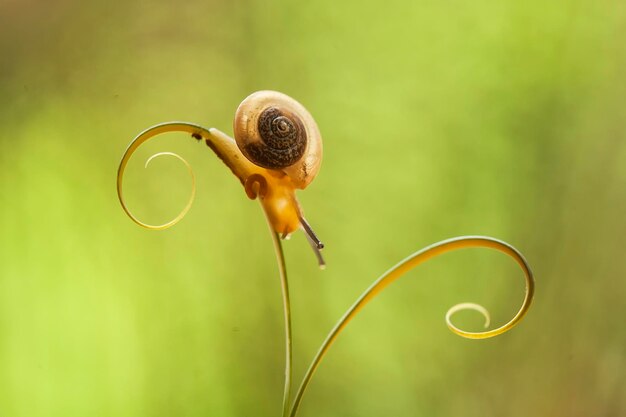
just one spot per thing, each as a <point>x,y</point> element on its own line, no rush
<point>283,140</point>
<point>275,132</point>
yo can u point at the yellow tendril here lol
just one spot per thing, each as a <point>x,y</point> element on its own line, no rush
<point>466,306</point>
<point>195,131</point>
<point>405,266</point>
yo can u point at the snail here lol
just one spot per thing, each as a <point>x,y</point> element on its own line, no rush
<point>277,149</point>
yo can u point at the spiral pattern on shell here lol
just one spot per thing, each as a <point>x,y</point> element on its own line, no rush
<point>283,140</point>
<point>274,131</point>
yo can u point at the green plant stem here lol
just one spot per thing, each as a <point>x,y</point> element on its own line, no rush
<point>406,265</point>
<point>282,271</point>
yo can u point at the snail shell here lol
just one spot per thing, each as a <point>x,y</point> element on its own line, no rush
<point>276,132</point>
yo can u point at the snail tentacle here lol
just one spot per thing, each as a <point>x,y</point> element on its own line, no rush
<point>405,266</point>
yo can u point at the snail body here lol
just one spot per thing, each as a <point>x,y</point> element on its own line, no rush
<point>277,149</point>
<point>273,187</point>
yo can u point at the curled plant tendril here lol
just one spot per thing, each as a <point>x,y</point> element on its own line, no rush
<point>467,306</point>
<point>139,140</point>
<point>192,196</point>
<point>273,183</point>
<point>405,266</point>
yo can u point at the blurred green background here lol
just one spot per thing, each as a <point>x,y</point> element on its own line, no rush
<point>439,119</point>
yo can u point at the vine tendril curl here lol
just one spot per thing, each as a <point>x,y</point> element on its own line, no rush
<point>468,306</point>
<point>405,266</point>
<point>144,136</point>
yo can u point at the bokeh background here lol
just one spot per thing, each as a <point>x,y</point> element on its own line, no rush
<point>502,118</point>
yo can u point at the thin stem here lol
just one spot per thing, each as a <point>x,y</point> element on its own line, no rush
<point>282,271</point>
<point>405,266</point>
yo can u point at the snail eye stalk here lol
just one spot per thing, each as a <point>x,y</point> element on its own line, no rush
<point>315,243</point>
